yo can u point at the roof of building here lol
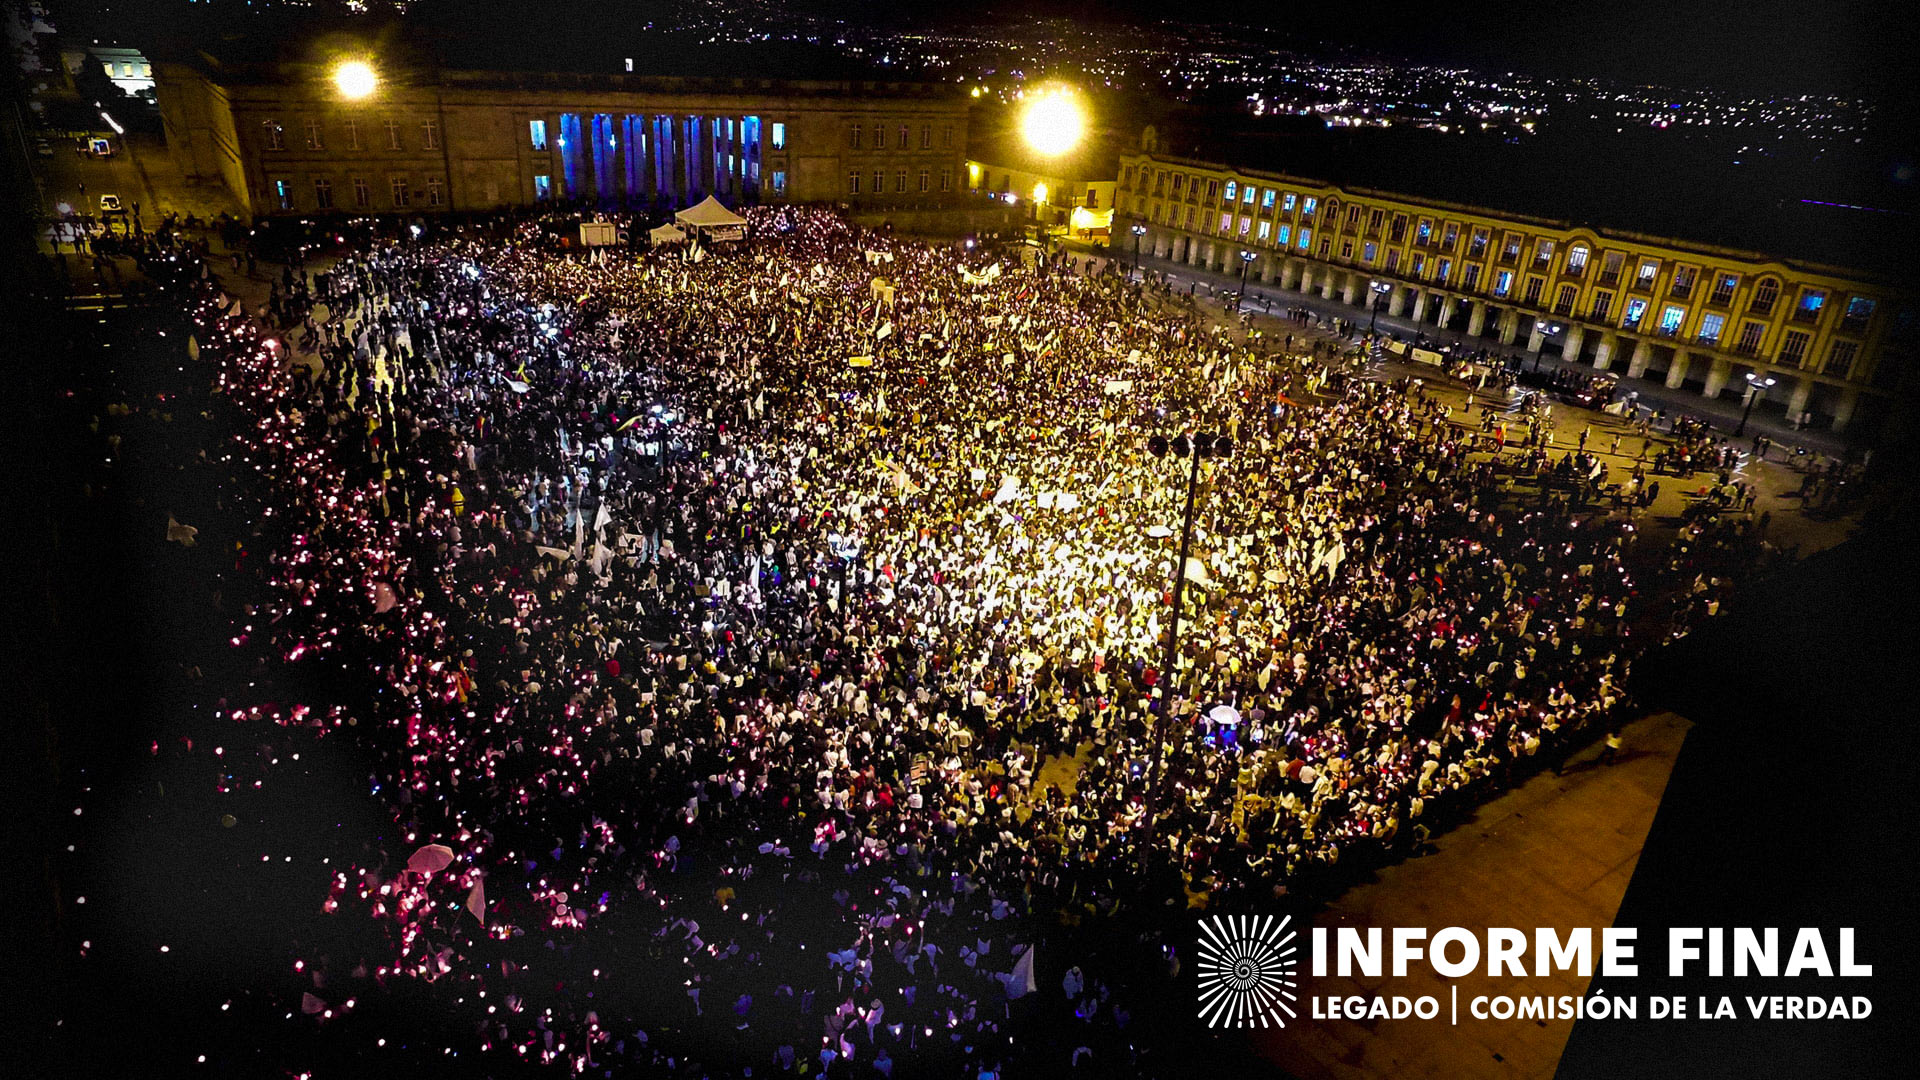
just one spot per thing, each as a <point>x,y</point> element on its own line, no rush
<point>1672,189</point>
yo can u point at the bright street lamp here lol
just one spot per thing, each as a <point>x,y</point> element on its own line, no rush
<point>1052,122</point>
<point>1246,263</point>
<point>355,79</point>
<point>1139,230</point>
<point>1380,289</point>
<point>1757,385</point>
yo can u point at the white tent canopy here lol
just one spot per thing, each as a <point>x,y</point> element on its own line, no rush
<point>667,234</point>
<point>710,217</point>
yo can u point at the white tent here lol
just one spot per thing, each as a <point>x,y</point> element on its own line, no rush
<point>667,234</point>
<point>713,220</point>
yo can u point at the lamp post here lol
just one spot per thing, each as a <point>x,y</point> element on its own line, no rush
<point>847,550</point>
<point>1757,386</point>
<point>1198,448</point>
<point>1546,331</point>
<point>1380,289</point>
<point>1139,230</point>
<point>1246,263</point>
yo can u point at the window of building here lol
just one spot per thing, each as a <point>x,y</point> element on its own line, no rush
<point>853,137</point>
<point>283,194</point>
<point>436,191</point>
<point>276,136</point>
<point>1186,222</point>
<point>1750,334</point>
<point>1682,286</point>
<point>1808,309</point>
<point>1723,286</point>
<point>1577,259</point>
<point>1534,286</point>
<point>323,193</point>
<point>879,135</point>
<point>905,135</point>
<point>946,179</point>
<point>1765,292</point>
<point>1286,203</point>
<point>1306,237</point>
<point>1446,270</point>
<point>1246,226</point>
<point>1563,304</point>
<point>1424,231</point>
<point>1265,230</point>
<point>1450,235</point>
<point>1246,194</point>
<point>779,135</point>
<point>926,136</point>
<point>1310,205</point>
<point>853,182</point>
<point>1503,283</point>
<point>1477,246</point>
<point>1281,234</point>
<point>1226,221</point>
<point>353,135</point>
<point>313,135</point>
<point>430,134</point>
<point>363,193</point>
<point>1793,348</point>
<point>542,187</point>
<point>1840,358</point>
<point>779,181</point>
<point>1602,303</point>
<point>1859,311</point>
<point>1670,319</point>
<point>393,135</point>
<point>926,181</point>
<point>1648,271</point>
<point>900,181</point>
<point>1393,260</point>
<point>1266,198</point>
<point>1610,267</point>
<point>401,197</point>
<point>1371,249</point>
<point>1543,252</point>
<point>1398,229</point>
<point>1346,249</point>
<point>1233,191</point>
<point>1510,247</point>
<point>1710,326</point>
<point>1324,244</point>
<point>879,181</point>
<point>1472,278</point>
<point>946,137</point>
<point>1636,310</point>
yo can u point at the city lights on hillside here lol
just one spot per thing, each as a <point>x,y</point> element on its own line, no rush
<point>1052,122</point>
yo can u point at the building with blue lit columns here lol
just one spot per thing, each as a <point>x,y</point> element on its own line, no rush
<point>1838,343</point>
<point>283,138</point>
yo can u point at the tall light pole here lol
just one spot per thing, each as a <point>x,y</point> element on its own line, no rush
<point>1198,448</point>
<point>1380,289</point>
<point>1545,332</point>
<point>1246,263</point>
<point>1139,230</point>
<point>1757,386</point>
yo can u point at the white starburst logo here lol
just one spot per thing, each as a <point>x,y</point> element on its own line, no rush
<point>1246,971</point>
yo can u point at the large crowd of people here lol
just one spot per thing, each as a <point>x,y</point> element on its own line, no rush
<point>763,645</point>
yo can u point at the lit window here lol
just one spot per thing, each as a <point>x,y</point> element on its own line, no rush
<point>779,181</point>
<point>1710,328</point>
<point>779,136</point>
<point>276,136</point>
<point>1636,310</point>
<point>1232,191</point>
<point>1859,310</point>
<point>1265,230</point>
<point>283,194</point>
<point>401,196</point>
<point>323,194</point>
<point>1312,203</point>
<point>1670,319</point>
<point>313,135</point>
<point>1371,250</point>
<point>1246,194</point>
<point>1280,237</point>
<point>1226,222</point>
<point>1503,284</point>
<point>542,187</point>
<point>1286,203</point>
<point>1576,258</point>
<point>1306,238</point>
<point>1648,270</point>
<point>1266,199</point>
<point>436,191</point>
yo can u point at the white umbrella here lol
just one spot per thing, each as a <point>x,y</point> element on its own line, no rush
<point>431,859</point>
<point>1225,715</point>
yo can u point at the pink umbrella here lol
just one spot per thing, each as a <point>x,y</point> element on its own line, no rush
<point>431,859</point>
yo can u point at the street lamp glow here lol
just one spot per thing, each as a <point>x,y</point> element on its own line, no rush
<point>1039,193</point>
<point>355,79</point>
<point>1053,123</point>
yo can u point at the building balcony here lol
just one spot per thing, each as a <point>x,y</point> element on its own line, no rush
<point>1609,277</point>
<point>1575,272</point>
<point>1760,307</point>
<point>1680,292</point>
<point>1806,317</point>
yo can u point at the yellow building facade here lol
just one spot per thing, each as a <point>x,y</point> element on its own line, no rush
<point>1837,343</point>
